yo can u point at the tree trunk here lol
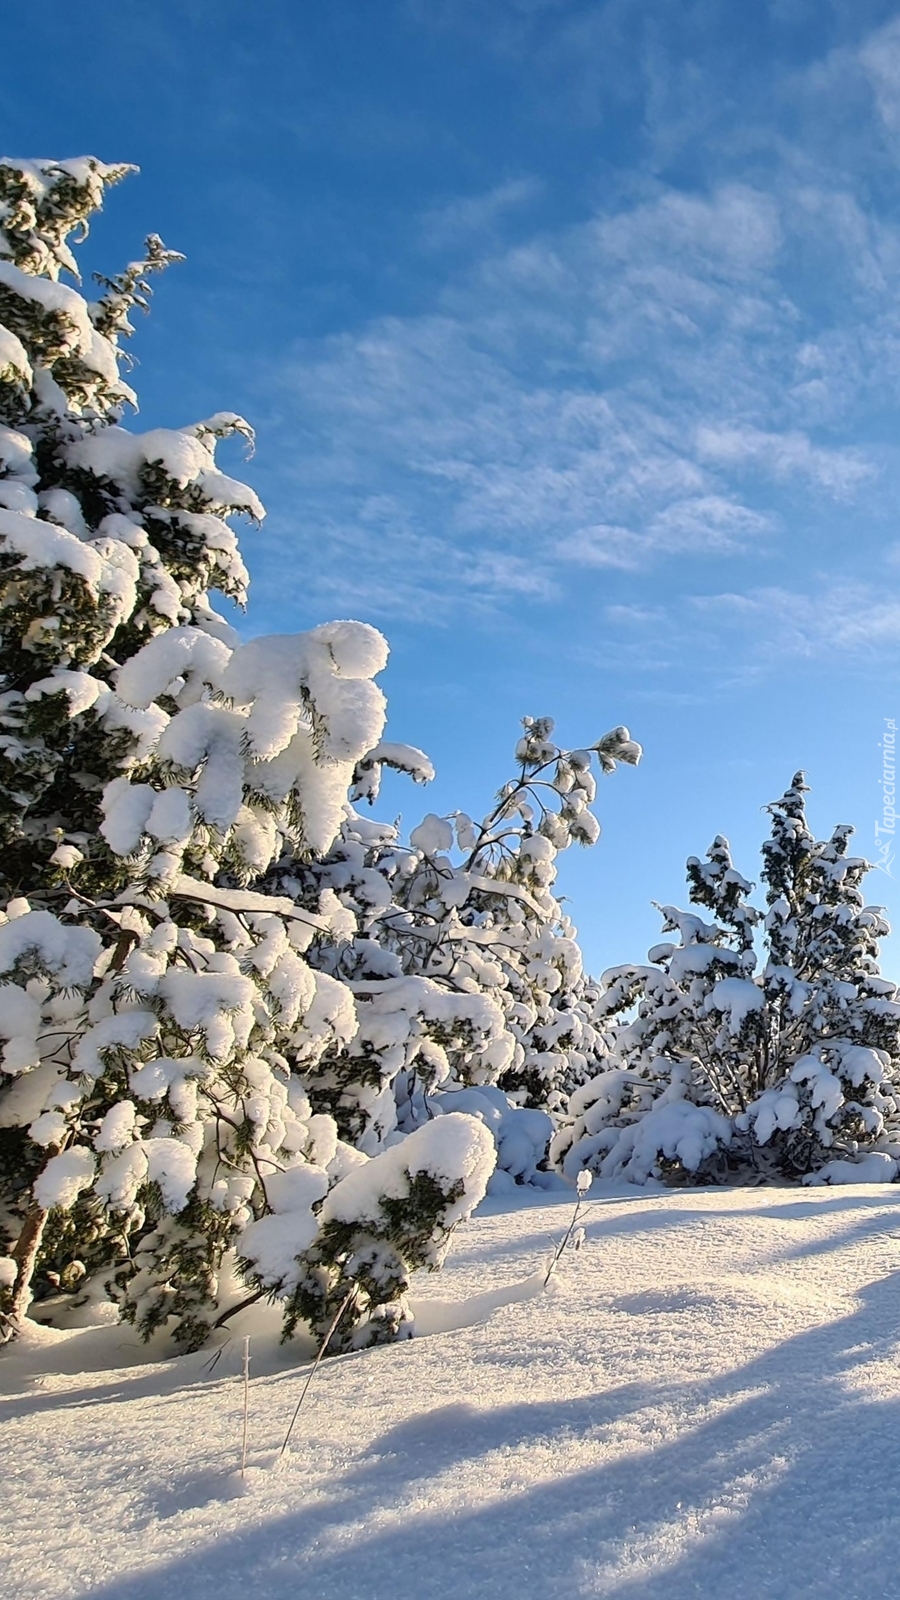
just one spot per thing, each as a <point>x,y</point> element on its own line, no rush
<point>24,1254</point>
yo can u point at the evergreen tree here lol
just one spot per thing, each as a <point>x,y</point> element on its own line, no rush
<point>719,1070</point>
<point>152,1019</point>
<point>222,993</point>
<point>466,971</point>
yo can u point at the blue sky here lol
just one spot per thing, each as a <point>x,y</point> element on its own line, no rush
<point>571,333</point>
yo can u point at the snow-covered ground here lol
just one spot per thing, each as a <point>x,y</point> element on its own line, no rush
<point>706,1403</point>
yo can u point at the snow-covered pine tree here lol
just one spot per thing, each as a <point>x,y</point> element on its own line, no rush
<point>717,1070</point>
<point>465,969</point>
<point>385,1219</point>
<point>200,1053</point>
<point>155,1023</point>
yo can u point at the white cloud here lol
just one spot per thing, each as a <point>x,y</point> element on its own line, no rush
<point>784,456</point>
<point>469,218</point>
<point>694,646</point>
<point>638,616</point>
<point>733,234</point>
<point>708,523</point>
<point>854,620</point>
<point>701,524</point>
<point>604,545</point>
<point>880,60</point>
<point>683,374</point>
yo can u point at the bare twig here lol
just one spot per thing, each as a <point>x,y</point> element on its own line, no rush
<point>246,1405</point>
<point>314,1368</point>
<point>583,1184</point>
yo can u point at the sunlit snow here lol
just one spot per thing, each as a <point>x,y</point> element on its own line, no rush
<point>703,1402</point>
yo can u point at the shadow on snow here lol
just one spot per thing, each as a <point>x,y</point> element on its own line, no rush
<point>756,1498</point>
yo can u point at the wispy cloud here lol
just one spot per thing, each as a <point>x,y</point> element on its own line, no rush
<point>468,219</point>
<point>879,58</point>
<point>728,236</point>
<point>855,620</point>
<point>738,637</point>
<point>692,373</point>
<point>707,524</point>
<point>784,456</point>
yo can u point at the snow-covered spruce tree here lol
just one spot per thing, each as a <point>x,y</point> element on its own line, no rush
<point>157,1011</point>
<point>718,1071</point>
<point>386,1218</point>
<point>465,970</point>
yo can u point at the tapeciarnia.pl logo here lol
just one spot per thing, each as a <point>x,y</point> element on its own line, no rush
<point>885,829</point>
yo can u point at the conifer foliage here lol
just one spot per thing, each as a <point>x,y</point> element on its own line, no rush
<point>225,997</point>
<point>718,1070</point>
<point>465,969</point>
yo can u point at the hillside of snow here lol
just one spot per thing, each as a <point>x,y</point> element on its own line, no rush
<point>704,1402</point>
